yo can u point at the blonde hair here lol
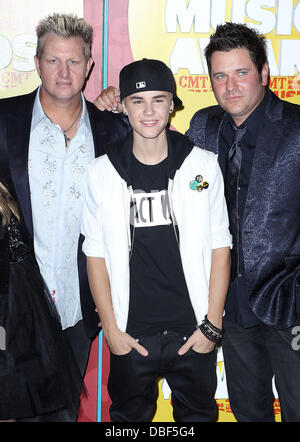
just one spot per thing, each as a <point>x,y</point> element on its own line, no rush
<point>8,207</point>
<point>65,26</point>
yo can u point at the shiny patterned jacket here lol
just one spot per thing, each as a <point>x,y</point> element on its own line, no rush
<point>271,223</point>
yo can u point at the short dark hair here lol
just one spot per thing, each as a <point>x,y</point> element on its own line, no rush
<point>238,36</point>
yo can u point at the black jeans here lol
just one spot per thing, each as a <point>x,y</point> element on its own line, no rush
<point>132,383</point>
<point>251,357</point>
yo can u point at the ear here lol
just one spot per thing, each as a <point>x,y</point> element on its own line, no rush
<point>37,65</point>
<point>124,108</point>
<point>88,66</point>
<point>265,74</point>
<point>171,106</point>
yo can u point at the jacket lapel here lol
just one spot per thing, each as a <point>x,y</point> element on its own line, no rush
<point>107,128</point>
<point>263,177</point>
<point>213,126</point>
<point>98,130</point>
<point>18,135</point>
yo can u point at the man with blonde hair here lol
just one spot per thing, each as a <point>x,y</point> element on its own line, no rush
<point>48,137</point>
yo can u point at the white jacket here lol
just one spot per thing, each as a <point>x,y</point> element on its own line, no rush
<point>201,218</point>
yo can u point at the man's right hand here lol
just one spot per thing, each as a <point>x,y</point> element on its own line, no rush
<point>109,100</point>
<point>121,343</point>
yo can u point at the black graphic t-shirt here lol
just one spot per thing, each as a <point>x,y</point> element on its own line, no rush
<point>159,298</point>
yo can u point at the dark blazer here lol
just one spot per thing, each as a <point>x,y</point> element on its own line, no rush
<point>15,124</point>
<point>271,223</point>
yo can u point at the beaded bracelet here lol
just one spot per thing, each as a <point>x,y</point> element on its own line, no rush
<point>213,327</point>
<point>210,331</point>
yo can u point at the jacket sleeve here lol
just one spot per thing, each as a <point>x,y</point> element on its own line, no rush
<point>220,234</point>
<point>91,226</point>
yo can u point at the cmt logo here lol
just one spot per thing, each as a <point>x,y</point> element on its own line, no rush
<point>2,338</point>
<point>296,339</point>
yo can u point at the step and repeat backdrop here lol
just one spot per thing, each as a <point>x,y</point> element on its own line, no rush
<point>175,31</point>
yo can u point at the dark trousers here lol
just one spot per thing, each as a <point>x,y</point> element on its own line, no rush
<point>132,383</point>
<point>81,348</point>
<point>251,357</point>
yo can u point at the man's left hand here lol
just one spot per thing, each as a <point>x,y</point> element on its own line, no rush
<point>198,342</point>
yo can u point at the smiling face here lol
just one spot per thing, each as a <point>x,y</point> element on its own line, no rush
<point>62,68</point>
<point>236,83</point>
<point>148,112</point>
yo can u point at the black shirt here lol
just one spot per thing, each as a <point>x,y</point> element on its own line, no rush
<point>159,298</point>
<point>237,306</point>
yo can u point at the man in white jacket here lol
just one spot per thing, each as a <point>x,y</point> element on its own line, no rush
<point>157,240</point>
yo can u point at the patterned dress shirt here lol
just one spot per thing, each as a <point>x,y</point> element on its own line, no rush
<point>57,180</point>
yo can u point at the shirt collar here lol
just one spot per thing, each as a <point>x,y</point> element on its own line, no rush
<point>38,112</point>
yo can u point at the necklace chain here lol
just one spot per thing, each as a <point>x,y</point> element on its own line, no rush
<point>77,116</point>
<point>67,139</point>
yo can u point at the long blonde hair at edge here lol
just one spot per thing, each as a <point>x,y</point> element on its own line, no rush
<point>8,207</point>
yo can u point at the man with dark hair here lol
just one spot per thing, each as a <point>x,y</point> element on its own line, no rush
<point>235,36</point>
<point>256,136</point>
<point>261,173</point>
<point>159,280</point>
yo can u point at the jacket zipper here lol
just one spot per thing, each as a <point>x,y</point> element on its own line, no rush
<point>131,240</point>
<point>170,191</point>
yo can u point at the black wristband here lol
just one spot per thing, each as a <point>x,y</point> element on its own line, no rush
<point>213,327</point>
<point>211,332</point>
